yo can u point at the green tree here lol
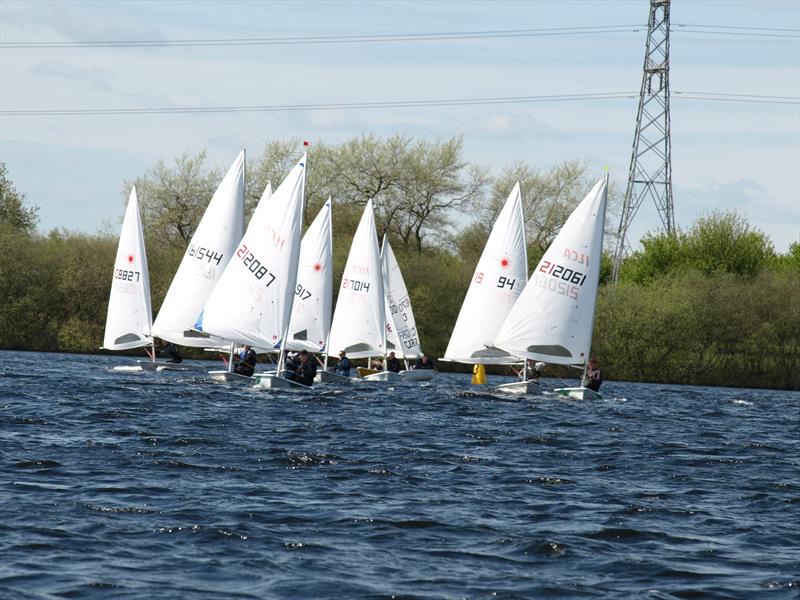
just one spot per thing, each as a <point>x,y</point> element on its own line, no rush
<point>271,167</point>
<point>721,242</point>
<point>13,212</point>
<point>548,197</point>
<point>173,199</point>
<point>725,241</point>
<point>660,255</point>
<point>437,181</point>
<point>84,285</point>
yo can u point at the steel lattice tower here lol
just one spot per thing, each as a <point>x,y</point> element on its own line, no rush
<point>650,174</point>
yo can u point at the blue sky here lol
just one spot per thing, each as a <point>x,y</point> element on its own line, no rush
<point>742,156</point>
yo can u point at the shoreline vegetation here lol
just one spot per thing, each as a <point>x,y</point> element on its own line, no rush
<point>713,305</point>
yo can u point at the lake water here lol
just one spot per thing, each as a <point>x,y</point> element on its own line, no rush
<point>165,485</point>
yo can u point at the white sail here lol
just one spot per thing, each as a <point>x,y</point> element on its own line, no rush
<point>401,327</point>
<point>252,302</point>
<point>553,319</point>
<point>496,284</point>
<point>311,311</point>
<point>209,251</point>
<point>359,320</point>
<point>129,318</point>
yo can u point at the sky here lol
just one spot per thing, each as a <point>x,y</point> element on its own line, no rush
<point>742,156</point>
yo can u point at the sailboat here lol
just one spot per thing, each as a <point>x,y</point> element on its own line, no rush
<point>252,302</point>
<point>498,281</point>
<point>129,318</point>
<point>310,323</point>
<point>359,322</point>
<point>211,248</point>
<point>401,327</point>
<point>553,319</point>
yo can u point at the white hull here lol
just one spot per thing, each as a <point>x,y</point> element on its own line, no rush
<point>141,365</point>
<point>149,365</point>
<point>178,367</point>
<point>417,374</point>
<point>385,376</point>
<point>228,376</point>
<point>579,393</point>
<point>129,368</point>
<point>520,387</point>
<point>273,382</point>
<point>331,377</point>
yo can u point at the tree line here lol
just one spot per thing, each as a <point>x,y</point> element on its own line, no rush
<point>712,305</point>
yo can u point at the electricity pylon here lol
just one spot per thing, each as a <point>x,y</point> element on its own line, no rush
<point>650,174</point>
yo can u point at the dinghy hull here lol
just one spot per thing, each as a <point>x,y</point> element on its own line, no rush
<point>520,387</point>
<point>417,374</point>
<point>273,382</point>
<point>331,377</point>
<point>229,377</point>
<point>578,393</point>
<point>384,376</point>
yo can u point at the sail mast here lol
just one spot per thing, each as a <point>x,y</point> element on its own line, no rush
<point>594,305</point>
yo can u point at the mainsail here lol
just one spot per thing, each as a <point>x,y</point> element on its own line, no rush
<point>401,327</point>
<point>209,251</point>
<point>310,324</point>
<point>252,302</point>
<point>360,318</point>
<point>552,320</point>
<point>129,317</point>
<point>496,284</point>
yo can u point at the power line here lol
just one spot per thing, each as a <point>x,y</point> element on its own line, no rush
<point>334,39</point>
<point>716,96</point>
<point>730,30</point>
<point>323,106</point>
<point>746,27</point>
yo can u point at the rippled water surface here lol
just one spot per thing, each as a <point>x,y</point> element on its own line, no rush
<point>165,485</point>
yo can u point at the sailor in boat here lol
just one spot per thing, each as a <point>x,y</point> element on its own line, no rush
<point>343,368</point>
<point>245,362</point>
<point>423,362</point>
<point>170,351</point>
<point>292,362</point>
<point>167,350</point>
<point>376,364</point>
<point>306,370</point>
<point>594,376</point>
<point>392,364</point>
<point>532,371</point>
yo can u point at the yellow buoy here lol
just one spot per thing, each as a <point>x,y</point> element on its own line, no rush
<point>478,374</point>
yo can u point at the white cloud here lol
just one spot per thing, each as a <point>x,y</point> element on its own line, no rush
<point>95,78</point>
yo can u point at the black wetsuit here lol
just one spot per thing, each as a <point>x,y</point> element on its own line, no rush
<point>170,351</point>
<point>305,373</point>
<point>595,378</point>
<point>424,364</point>
<point>246,364</point>
<point>393,365</point>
